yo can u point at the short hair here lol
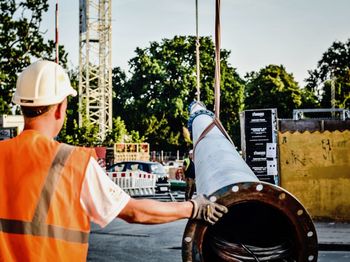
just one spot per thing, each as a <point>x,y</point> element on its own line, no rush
<point>34,111</point>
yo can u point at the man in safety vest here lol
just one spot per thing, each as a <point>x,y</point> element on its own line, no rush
<point>50,191</point>
<point>189,172</point>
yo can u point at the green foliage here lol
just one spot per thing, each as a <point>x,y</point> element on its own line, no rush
<point>120,134</point>
<point>332,69</point>
<point>155,99</point>
<point>21,41</point>
<point>273,87</point>
<point>87,135</point>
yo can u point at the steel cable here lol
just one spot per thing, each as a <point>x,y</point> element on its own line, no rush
<point>217,59</point>
<point>238,252</point>
<point>197,55</point>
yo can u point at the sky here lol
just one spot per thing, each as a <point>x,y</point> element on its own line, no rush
<point>292,33</point>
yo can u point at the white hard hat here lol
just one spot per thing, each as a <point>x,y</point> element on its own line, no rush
<point>42,83</point>
<point>190,152</point>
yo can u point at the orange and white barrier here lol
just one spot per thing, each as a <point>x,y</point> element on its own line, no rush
<point>135,182</point>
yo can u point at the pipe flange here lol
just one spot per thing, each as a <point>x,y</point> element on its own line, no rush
<point>276,198</point>
<point>195,114</point>
<point>196,102</point>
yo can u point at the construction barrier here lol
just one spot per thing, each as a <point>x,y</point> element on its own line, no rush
<point>135,183</point>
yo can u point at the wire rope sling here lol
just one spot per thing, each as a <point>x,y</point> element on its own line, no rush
<point>265,222</point>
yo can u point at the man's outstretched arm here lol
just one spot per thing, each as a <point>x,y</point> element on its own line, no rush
<point>147,211</point>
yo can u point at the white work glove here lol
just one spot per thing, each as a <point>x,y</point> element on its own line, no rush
<point>204,209</point>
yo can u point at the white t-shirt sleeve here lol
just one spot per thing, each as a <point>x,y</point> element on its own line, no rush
<point>100,197</point>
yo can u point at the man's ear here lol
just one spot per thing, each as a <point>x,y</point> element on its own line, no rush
<point>59,111</point>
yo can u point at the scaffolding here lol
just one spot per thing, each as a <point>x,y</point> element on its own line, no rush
<point>95,68</point>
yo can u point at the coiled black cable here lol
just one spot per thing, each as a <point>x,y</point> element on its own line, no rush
<point>238,252</point>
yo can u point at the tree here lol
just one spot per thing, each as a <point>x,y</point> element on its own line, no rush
<point>155,99</point>
<point>273,87</point>
<point>86,135</point>
<point>332,70</point>
<point>120,134</point>
<point>21,41</point>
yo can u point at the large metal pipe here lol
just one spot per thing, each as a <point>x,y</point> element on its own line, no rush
<point>264,222</point>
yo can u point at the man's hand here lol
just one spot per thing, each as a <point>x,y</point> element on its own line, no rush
<point>204,209</point>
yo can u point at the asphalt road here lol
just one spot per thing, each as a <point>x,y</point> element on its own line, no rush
<point>121,241</point>
<point>334,256</point>
<point>124,242</point>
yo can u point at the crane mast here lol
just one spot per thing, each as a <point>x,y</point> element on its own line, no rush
<point>95,68</point>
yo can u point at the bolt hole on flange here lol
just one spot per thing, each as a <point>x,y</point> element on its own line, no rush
<point>235,189</point>
<point>259,187</point>
<point>282,196</point>
<point>188,239</point>
<point>310,234</point>
<point>213,199</point>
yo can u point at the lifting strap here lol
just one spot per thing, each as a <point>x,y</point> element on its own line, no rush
<point>197,55</point>
<point>217,60</point>
<point>216,122</point>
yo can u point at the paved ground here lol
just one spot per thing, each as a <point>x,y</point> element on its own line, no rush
<point>120,241</point>
<point>333,234</point>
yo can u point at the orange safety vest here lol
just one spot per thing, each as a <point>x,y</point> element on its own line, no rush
<point>41,218</point>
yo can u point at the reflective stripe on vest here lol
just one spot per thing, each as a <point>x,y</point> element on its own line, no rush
<point>37,226</point>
